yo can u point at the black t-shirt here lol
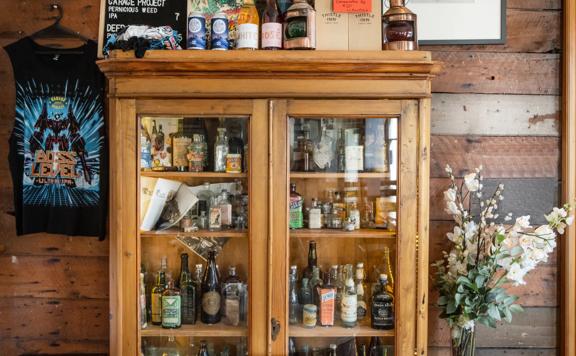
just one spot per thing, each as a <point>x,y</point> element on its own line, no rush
<point>58,147</point>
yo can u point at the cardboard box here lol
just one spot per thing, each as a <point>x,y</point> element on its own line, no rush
<point>365,29</point>
<point>331,27</point>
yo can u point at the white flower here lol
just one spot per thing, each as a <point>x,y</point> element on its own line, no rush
<point>448,169</point>
<point>471,181</point>
<point>545,232</point>
<point>452,208</point>
<point>450,195</point>
<point>470,230</point>
<point>516,274</point>
<point>523,222</point>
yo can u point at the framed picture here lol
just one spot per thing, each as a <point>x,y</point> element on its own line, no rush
<point>460,21</point>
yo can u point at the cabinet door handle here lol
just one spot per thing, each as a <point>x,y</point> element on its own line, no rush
<point>275,328</point>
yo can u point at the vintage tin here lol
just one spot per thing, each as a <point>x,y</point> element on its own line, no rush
<point>220,32</point>
<point>196,31</point>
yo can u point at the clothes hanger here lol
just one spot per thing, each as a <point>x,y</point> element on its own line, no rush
<point>56,30</point>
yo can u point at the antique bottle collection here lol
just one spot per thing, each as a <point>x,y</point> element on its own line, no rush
<point>342,297</point>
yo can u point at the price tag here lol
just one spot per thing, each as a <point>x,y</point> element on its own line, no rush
<point>352,6</point>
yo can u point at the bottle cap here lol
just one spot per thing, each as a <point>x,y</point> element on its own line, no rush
<point>383,277</point>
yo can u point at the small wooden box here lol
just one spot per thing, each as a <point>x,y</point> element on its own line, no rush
<point>331,27</point>
<point>365,29</point>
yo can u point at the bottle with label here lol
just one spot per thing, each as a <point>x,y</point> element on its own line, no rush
<point>294,306</point>
<point>349,308</point>
<point>231,294</point>
<point>328,298</point>
<point>225,206</point>
<point>271,26</point>
<point>339,208</point>
<point>221,150</point>
<point>300,26</point>
<point>354,214</point>
<point>187,292</point>
<point>180,142</point>
<point>196,154</point>
<point>382,306</point>
<point>171,307</point>
<point>385,207</point>
<point>296,209</point>
<point>211,297</point>
<point>248,21</point>
<point>315,215</point>
<point>157,298</point>
<point>339,289</point>
<point>361,291</point>
<point>145,148</point>
<point>197,280</point>
<point>306,296</point>
<point>312,260</point>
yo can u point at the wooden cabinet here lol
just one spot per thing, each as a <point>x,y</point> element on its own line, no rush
<point>277,98</point>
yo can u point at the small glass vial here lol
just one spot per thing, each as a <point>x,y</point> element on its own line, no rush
<point>399,28</point>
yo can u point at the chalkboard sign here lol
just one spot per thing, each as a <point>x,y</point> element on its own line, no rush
<point>118,14</point>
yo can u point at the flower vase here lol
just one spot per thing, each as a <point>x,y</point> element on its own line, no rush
<point>465,343</point>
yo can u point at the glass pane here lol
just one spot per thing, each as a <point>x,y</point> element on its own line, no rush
<point>194,243</point>
<point>342,219</point>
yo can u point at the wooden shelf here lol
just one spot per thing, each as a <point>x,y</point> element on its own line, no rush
<point>181,175</point>
<point>337,331</point>
<point>200,233</point>
<point>341,234</point>
<point>335,175</point>
<point>199,330</point>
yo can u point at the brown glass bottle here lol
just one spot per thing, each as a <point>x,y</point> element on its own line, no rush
<point>312,260</point>
<point>271,26</point>
<point>211,293</point>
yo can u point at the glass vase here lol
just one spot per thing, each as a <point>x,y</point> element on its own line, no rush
<point>465,344</point>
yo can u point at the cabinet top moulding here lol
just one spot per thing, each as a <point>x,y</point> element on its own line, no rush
<point>402,64</point>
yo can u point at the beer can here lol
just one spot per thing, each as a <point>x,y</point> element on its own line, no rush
<point>219,32</point>
<point>196,31</point>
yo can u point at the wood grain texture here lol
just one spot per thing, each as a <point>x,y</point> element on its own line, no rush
<point>535,4</point>
<point>498,73</point>
<point>58,346</point>
<point>535,328</point>
<point>495,115</point>
<point>54,318</point>
<point>544,35</point>
<point>54,277</point>
<point>501,157</point>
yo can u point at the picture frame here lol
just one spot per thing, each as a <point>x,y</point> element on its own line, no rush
<point>460,22</point>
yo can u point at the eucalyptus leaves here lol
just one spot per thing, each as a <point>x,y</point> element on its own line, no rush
<point>486,255</point>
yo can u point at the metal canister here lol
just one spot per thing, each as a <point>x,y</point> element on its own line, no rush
<point>196,31</point>
<point>219,33</point>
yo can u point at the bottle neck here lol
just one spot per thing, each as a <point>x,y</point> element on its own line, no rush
<point>312,261</point>
<point>397,3</point>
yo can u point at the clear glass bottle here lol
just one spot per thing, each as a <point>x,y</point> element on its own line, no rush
<point>211,292</point>
<point>306,296</point>
<point>225,210</point>
<point>231,294</point>
<point>187,292</point>
<point>180,142</point>
<point>315,215</point>
<point>294,306</point>
<point>354,214</point>
<point>221,150</point>
<point>361,291</point>
<point>248,21</point>
<point>196,154</point>
<point>171,307</point>
<point>205,199</point>
<point>349,308</point>
<point>171,348</point>
<point>203,351</point>
<point>382,306</point>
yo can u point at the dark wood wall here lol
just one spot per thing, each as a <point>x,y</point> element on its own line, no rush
<point>493,105</point>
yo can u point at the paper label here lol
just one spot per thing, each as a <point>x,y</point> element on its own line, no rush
<point>352,6</point>
<point>211,303</point>
<point>272,35</point>
<point>248,36</point>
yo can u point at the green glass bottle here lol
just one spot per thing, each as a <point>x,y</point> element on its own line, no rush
<point>157,298</point>
<point>171,307</point>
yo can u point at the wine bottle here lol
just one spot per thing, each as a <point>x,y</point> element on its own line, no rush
<point>211,297</point>
<point>271,26</point>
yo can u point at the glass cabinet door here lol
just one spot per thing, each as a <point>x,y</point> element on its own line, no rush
<point>341,212</point>
<point>196,233</point>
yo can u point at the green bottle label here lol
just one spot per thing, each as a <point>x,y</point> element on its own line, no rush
<point>296,216</point>
<point>171,311</point>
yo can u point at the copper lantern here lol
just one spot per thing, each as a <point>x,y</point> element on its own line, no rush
<point>399,28</point>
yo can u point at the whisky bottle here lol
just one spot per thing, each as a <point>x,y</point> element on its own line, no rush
<point>349,309</point>
<point>294,306</point>
<point>187,292</point>
<point>248,21</point>
<point>180,143</point>
<point>271,26</point>
<point>361,291</point>
<point>157,298</point>
<point>296,207</point>
<point>312,260</point>
<point>171,307</point>
<point>211,297</point>
<point>382,306</point>
<point>220,150</point>
<point>231,293</point>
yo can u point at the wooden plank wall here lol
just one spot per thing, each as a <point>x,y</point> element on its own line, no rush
<point>493,105</point>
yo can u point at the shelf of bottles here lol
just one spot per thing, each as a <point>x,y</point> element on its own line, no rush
<point>342,219</point>
<point>193,235</point>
